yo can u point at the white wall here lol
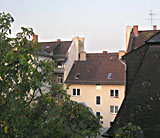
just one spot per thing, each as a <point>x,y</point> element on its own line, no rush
<point>88,96</point>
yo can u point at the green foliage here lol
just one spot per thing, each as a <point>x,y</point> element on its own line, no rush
<point>127,131</point>
<point>26,111</point>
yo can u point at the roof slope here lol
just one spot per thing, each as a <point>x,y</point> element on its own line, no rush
<point>58,48</point>
<point>137,41</point>
<point>142,102</point>
<point>96,68</point>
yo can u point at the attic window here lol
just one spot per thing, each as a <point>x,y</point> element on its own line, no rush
<point>110,58</point>
<point>109,76</point>
<point>77,76</point>
<point>47,46</point>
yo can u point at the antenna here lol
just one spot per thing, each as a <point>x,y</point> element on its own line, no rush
<point>151,14</point>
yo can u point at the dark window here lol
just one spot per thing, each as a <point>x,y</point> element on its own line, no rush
<point>111,123</point>
<point>77,76</point>
<point>116,109</point>
<point>98,100</point>
<point>98,114</point>
<point>74,91</point>
<point>78,91</point>
<point>111,92</point>
<point>116,93</point>
<point>111,109</point>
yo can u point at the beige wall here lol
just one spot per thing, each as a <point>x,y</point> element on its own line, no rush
<point>88,95</point>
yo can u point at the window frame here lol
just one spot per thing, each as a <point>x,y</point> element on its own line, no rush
<point>113,93</point>
<point>98,87</point>
<point>114,109</point>
<point>60,78</point>
<point>98,114</point>
<point>98,101</point>
<point>77,92</point>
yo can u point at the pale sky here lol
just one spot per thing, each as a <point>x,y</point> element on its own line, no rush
<point>101,22</point>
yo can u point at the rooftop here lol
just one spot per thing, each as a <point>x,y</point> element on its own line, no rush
<point>98,68</point>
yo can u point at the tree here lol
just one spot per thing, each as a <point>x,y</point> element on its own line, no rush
<point>127,131</point>
<point>25,111</point>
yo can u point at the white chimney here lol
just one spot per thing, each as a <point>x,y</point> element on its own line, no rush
<point>128,32</point>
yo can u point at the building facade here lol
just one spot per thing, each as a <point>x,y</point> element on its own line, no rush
<point>98,81</point>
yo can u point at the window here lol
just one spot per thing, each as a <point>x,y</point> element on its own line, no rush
<point>113,109</point>
<point>98,113</point>
<point>76,92</point>
<point>111,123</point>
<point>109,76</point>
<point>77,76</point>
<point>98,100</point>
<point>98,86</point>
<point>114,93</point>
<point>59,79</point>
<point>60,65</point>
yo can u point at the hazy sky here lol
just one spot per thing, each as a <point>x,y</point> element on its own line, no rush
<point>101,22</point>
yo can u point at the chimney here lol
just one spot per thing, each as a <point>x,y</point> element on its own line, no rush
<point>58,40</point>
<point>154,27</point>
<point>105,52</point>
<point>128,32</point>
<point>135,30</point>
<point>76,49</point>
<point>81,44</point>
<point>121,53</point>
<point>35,38</point>
<point>83,56</point>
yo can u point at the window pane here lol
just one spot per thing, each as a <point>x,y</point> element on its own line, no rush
<point>116,109</point>
<point>97,113</point>
<point>111,92</point>
<point>98,100</point>
<point>116,93</point>
<point>74,91</point>
<point>109,75</point>
<point>111,109</point>
<point>78,91</point>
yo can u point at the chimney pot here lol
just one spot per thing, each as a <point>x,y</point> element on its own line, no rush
<point>154,27</point>
<point>35,38</point>
<point>135,30</point>
<point>121,53</point>
<point>105,52</point>
<point>58,40</point>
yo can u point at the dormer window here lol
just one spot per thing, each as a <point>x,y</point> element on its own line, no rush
<point>109,76</point>
<point>77,76</point>
<point>47,47</point>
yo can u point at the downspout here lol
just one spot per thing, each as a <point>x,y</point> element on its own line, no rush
<point>125,66</point>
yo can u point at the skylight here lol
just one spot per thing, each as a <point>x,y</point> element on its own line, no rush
<point>47,46</point>
<point>109,76</point>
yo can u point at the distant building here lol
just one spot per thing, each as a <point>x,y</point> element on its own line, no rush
<point>97,80</point>
<point>64,53</point>
<point>142,100</point>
